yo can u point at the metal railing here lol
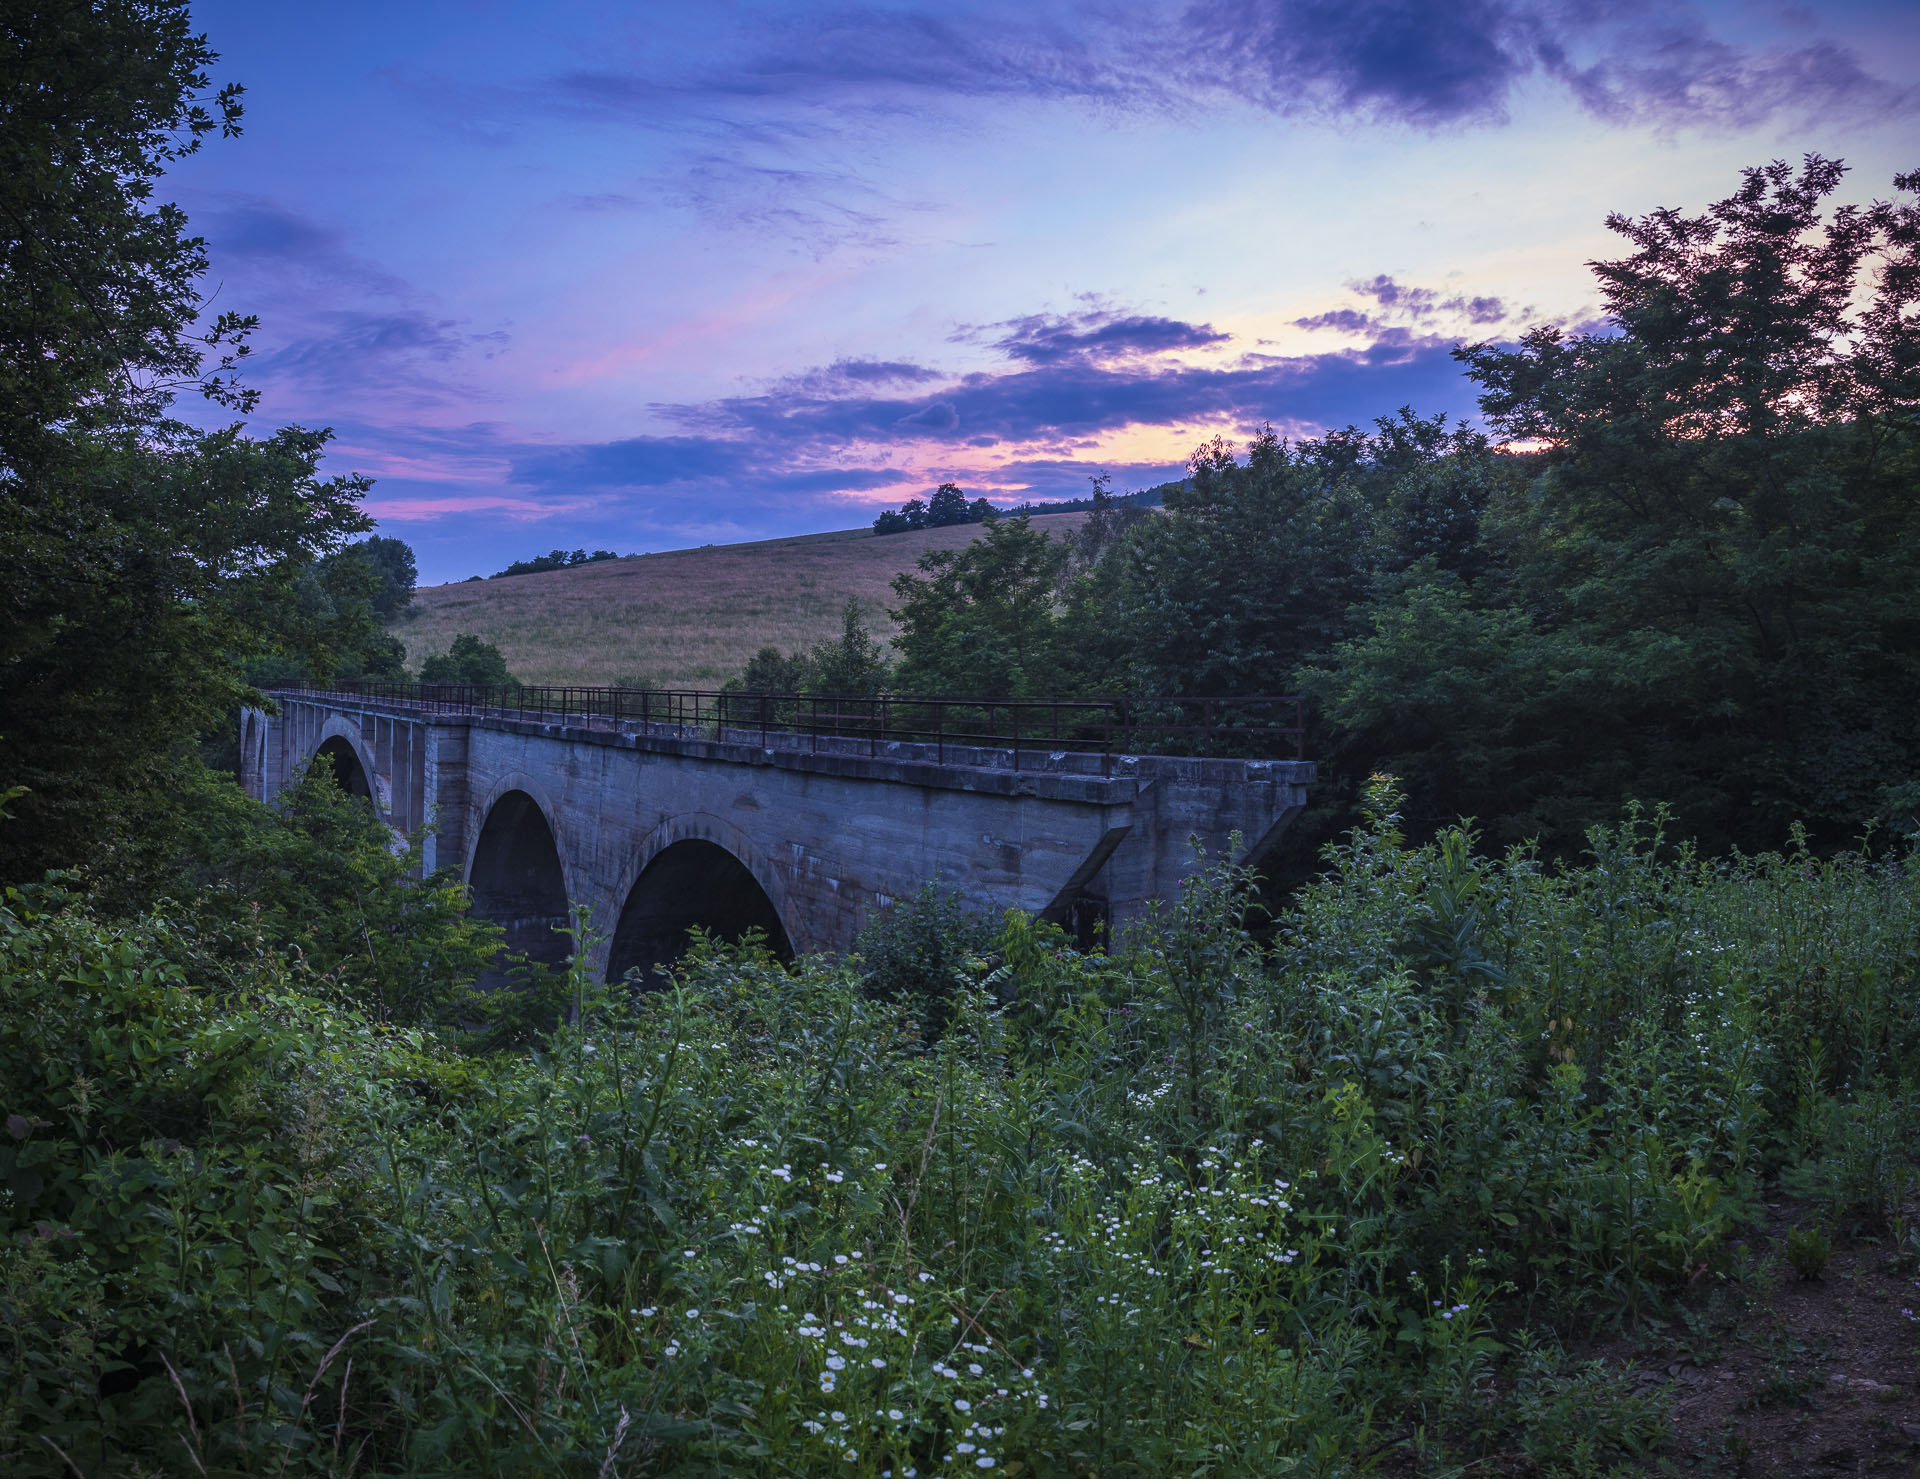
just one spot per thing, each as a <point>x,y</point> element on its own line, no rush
<point>1260,727</point>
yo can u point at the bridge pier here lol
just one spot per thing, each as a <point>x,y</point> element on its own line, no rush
<point>654,827</point>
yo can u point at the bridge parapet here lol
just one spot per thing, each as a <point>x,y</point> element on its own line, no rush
<point>812,830</point>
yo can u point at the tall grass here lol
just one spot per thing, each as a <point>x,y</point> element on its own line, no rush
<point>1205,1203</point>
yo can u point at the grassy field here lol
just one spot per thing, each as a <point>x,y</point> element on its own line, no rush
<point>684,618</point>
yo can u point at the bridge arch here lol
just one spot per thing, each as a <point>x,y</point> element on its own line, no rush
<point>516,878</point>
<point>693,871</point>
<point>353,768</point>
<point>253,753</point>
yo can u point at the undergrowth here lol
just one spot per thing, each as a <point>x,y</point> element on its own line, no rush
<point>1314,1205</point>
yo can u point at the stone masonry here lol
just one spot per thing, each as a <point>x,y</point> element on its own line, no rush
<point>660,828</point>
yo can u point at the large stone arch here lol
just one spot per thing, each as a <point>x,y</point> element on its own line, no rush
<point>353,768</point>
<point>695,870</point>
<point>516,877</point>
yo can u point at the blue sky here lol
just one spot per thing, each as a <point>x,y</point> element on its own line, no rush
<point>646,276</point>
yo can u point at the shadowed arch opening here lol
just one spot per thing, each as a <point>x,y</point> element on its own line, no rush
<point>348,773</point>
<point>516,883</point>
<point>689,884</point>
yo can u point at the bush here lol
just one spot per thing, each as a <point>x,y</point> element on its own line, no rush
<point>1199,1201</point>
<point>468,661</point>
<point>920,951</point>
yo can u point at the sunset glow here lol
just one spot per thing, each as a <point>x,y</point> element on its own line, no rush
<point>645,280</point>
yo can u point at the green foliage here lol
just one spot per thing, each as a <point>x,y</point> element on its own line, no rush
<point>922,951</point>
<point>318,876</point>
<point>126,598</point>
<point>96,320</point>
<point>1192,1203</point>
<point>772,671</point>
<point>1693,587</point>
<point>979,620</point>
<point>136,553</point>
<point>1705,595</point>
<point>555,560</point>
<point>1587,1421</point>
<point>469,661</point>
<point>855,665</point>
<point>947,506</point>
<point>394,570</point>
<point>327,621</point>
<point>1808,1251</point>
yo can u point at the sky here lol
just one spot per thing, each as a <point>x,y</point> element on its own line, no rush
<point>655,275</point>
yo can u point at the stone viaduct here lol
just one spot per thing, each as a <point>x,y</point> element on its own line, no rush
<point>656,828</point>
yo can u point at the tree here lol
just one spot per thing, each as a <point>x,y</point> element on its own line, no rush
<point>470,661</point>
<point>396,574</point>
<point>1708,593</point>
<point>855,665</point>
<point>948,506</point>
<point>1107,522</point>
<point>134,551</point>
<point>556,560</point>
<point>1253,568</point>
<point>979,621</point>
<point>320,873</point>
<point>771,671</point>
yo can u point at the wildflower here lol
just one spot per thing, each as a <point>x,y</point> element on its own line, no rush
<point>693,1314</point>
<point>839,1417</point>
<point>689,1253</point>
<point>961,1404</point>
<point>895,1414</point>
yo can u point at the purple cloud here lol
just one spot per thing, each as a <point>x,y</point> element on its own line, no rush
<point>1436,66</point>
<point>1350,320</point>
<point>1048,339</point>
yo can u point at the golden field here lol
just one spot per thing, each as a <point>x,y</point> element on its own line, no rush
<point>683,618</point>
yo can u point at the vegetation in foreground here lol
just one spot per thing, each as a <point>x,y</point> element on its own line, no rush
<point>1319,1205</point>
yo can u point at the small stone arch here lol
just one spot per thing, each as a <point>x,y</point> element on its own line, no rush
<point>515,879</point>
<point>694,871</point>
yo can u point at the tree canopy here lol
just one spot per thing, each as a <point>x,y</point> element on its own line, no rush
<point>140,559</point>
<point>1688,571</point>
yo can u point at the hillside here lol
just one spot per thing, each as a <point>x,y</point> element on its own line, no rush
<point>683,618</point>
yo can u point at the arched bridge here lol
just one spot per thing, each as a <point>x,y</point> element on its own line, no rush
<point>796,816</point>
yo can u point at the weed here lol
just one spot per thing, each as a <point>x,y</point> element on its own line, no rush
<point>1808,1251</point>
